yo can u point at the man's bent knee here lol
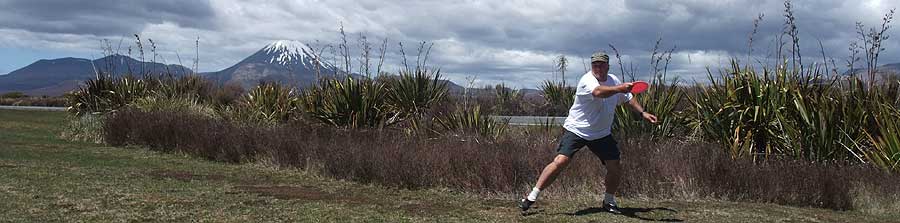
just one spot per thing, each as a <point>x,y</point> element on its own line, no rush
<point>561,160</point>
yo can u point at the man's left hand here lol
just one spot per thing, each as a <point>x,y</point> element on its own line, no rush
<point>649,117</point>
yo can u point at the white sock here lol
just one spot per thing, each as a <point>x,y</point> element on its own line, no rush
<point>609,198</point>
<point>534,194</point>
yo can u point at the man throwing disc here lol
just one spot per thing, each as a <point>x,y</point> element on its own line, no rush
<point>590,124</point>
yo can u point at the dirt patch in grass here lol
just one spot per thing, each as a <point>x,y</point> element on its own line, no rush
<point>305,193</point>
<point>425,209</point>
<point>308,193</point>
<point>251,180</point>
<point>312,194</point>
<point>8,166</point>
<point>183,175</point>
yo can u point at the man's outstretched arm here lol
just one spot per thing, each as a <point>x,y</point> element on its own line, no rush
<point>607,91</point>
<point>635,106</point>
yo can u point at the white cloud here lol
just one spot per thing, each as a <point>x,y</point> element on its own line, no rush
<point>693,64</point>
<point>17,38</point>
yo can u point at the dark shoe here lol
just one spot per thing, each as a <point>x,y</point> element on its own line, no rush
<point>611,208</point>
<point>525,204</point>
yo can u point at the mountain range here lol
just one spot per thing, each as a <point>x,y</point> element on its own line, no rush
<point>284,61</point>
<point>57,76</point>
<point>886,69</point>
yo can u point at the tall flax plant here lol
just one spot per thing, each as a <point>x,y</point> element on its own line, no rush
<point>105,94</point>
<point>507,99</point>
<point>739,109</point>
<point>350,103</point>
<point>885,139</point>
<point>795,111</point>
<point>822,121</point>
<point>269,103</point>
<point>168,86</point>
<point>558,97</point>
<point>412,94</point>
<point>415,91</point>
<point>781,113</point>
<point>660,99</point>
<point>375,101</point>
<point>471,120</point>
<point>505,94</point>
<point>880,145</point>
<point>833,118</point>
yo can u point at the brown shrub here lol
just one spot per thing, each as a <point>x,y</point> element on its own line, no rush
<point>690,170</point>
<point>667,169</point>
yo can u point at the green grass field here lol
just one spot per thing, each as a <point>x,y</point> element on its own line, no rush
<point>46,179</point>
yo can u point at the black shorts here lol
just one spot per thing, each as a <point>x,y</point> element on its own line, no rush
<point>604,148</point>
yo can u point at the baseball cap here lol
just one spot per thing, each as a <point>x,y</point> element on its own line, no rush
<point>600,56</point>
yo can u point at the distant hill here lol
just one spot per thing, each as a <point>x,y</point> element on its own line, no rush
<point>887,69</point>
<point>58,76</point>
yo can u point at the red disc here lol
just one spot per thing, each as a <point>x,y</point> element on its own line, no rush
<point>639,86</point>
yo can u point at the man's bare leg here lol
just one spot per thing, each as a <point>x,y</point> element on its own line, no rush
<point>551,171</point>
<point>548,175</point>
<point>613,176</point>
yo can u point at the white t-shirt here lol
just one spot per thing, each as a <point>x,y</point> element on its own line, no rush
<point>592,117</point>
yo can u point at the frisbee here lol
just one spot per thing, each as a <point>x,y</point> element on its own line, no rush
<point>639,86</point>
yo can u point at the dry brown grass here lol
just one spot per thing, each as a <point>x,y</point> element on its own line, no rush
<point>664,169</point>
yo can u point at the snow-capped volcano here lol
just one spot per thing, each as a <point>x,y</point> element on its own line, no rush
<point>288,52</point>
<point>286,61</point>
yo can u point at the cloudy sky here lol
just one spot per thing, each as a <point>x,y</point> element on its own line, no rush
<point>511,41</point>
